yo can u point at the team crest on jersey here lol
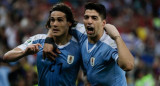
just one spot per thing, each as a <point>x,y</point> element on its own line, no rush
<point>92,60</point>
<point>70,59</point>
<point>28,42</point>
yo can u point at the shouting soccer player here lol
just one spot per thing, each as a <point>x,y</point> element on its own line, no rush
<point>105,65</point>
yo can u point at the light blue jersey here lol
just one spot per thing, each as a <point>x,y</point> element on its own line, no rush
<point>100,60</point>
<point>63,71</point>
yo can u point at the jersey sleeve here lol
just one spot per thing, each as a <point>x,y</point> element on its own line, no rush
<point>109,53</point>
<point>31,40</point>
<point>79,32</point>
<point>110,47</point>
<point>115,55</point>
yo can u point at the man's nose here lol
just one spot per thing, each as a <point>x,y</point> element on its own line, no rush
<point>55,23</point>
<point>90,21</point>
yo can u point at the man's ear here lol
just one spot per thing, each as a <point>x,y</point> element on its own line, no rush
<point>104,22</point>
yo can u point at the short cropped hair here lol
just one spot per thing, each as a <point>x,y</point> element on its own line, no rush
<point>62,8</point>
<point>98,8</point>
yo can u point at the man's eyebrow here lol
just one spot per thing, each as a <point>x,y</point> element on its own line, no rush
<point>94,16</point>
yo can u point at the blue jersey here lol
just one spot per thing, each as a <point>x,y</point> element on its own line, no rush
<point>100,60</point>
<point>61,72</point>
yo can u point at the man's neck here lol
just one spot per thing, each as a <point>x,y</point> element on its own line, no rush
<point>62,40</point>
<point>95,39</point>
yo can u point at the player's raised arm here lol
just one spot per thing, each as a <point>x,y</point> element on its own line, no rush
<point>125,60</point>
<point>18,53</point>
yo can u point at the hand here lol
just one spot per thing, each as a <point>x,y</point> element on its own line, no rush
<point>48,51</point>
<point>112,31</point>
<point>32,49</point>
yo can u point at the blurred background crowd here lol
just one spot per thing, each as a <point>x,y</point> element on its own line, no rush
<point>138,21</point>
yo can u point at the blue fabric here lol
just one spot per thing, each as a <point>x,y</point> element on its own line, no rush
<point>61,72</point>
<point>101,63</point>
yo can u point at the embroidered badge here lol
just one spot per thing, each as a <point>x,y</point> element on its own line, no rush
<point>92,60</point>
<point>70,59</point>
<point>28,42</point>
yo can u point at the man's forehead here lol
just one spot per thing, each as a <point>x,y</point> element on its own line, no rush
<point>91,12</point>
<point>58,14</point>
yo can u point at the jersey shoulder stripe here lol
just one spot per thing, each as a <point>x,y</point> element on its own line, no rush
<point>80,27</point>
<point>74,39</point>
<point>108,40</point>
<point>38,36</point>
<point>32,40</point>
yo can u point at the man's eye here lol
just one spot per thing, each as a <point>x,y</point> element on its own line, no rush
<point>94,18</point>
<point>60,20</point>
<point>52,20</point>
<point>86,17</point>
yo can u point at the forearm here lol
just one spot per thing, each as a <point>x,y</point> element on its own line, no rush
<point>49,34</point>
<point>125,60</point>
<point>13,55</point>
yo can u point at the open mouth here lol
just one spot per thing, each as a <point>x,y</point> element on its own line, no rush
<point>55,30</point>
<point>90,30</point>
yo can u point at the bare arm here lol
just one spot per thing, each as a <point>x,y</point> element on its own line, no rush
<point>125,60</point>
<point>18,53</point>
<point>13,54</point>
<point>49,34</point>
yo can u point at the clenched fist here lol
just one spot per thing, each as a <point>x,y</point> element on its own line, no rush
<point>112,31</point>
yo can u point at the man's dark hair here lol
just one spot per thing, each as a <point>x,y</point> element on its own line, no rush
<point>97,7</point>
<point>62,8</point>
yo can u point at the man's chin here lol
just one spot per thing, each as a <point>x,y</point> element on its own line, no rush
<point>90,35</point>
<point>56,35</point>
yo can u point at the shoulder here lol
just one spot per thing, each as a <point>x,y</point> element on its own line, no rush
<point>74,39</point>
<point>108,40</point>
<point>80,27</point>
<point>39,36</point>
